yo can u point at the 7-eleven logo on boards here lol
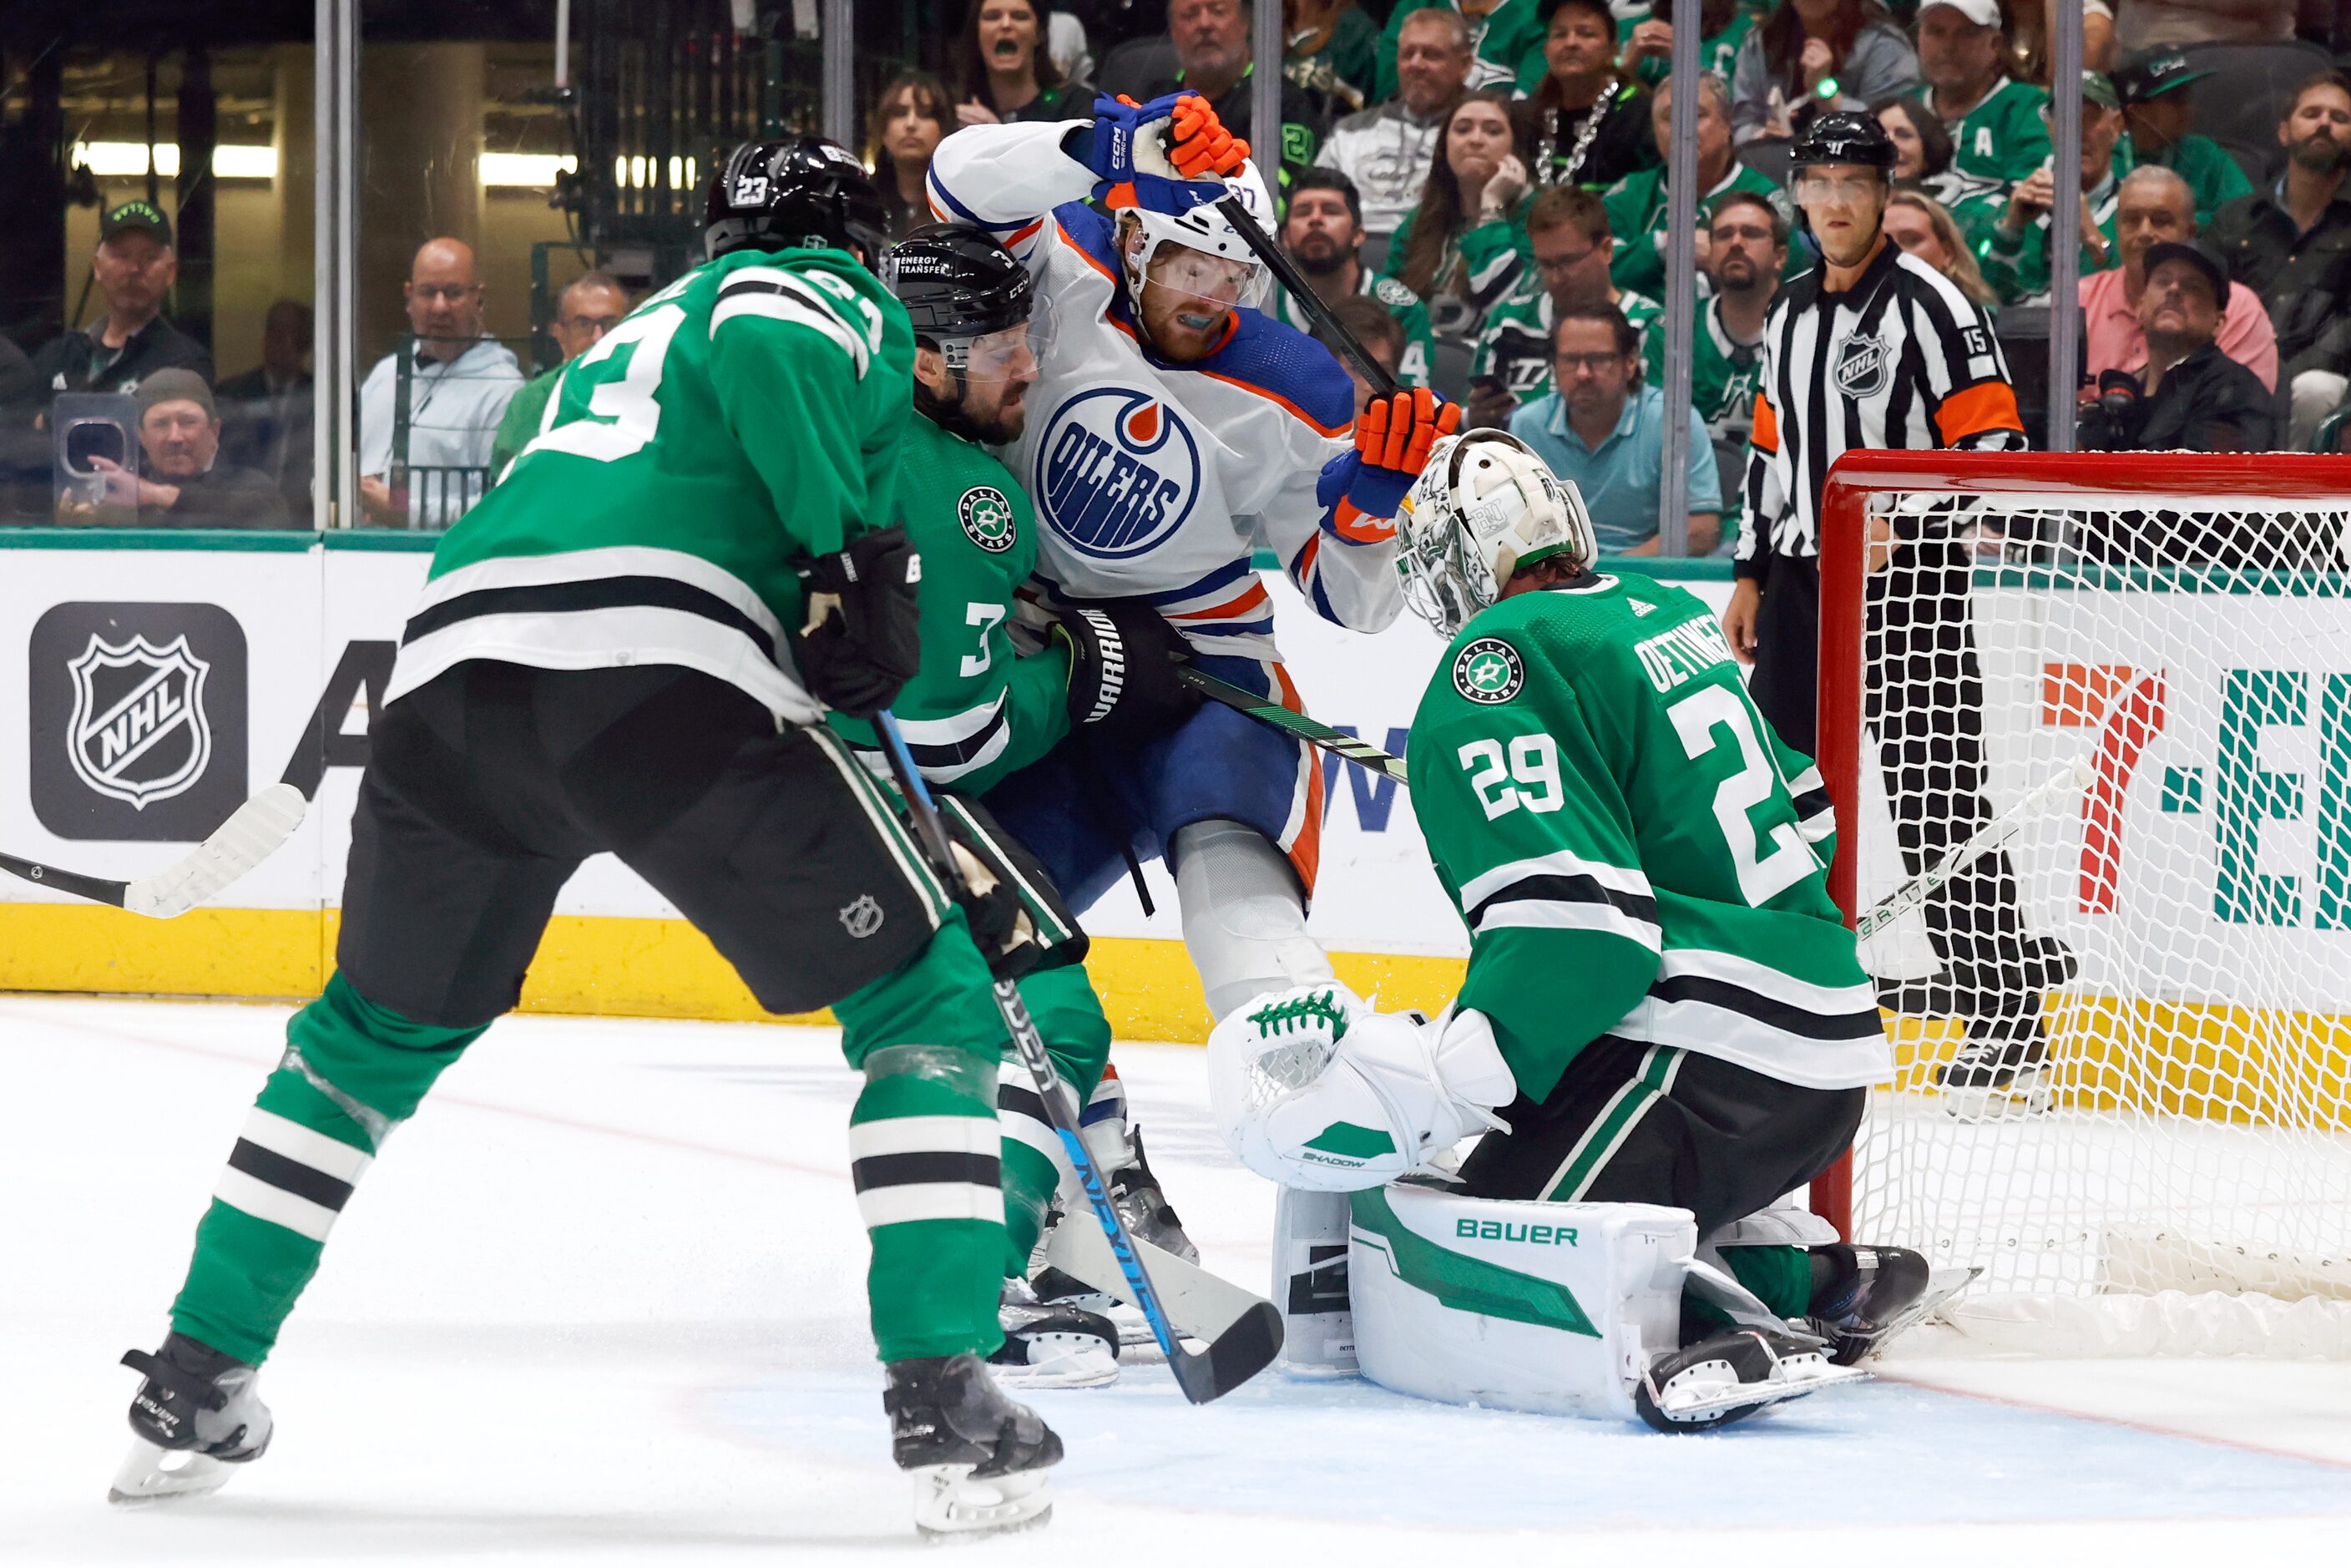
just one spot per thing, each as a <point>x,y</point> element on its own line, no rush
<point>2126,708</point>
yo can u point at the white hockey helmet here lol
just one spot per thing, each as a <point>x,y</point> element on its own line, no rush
<point>1314,1090</point>
<point>1205,230</point>
<point>1483,507</point>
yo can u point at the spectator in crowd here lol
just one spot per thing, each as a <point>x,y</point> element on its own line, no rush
<point>458,384</point>
<point>1603,431</point>
<point>1723,26</point>
<point>909,120</point>
<point>592,306</point>
<point>1505,38</point>
<point>1331,47</point>
<point>134,267</point>
<point>1465,244</point>
<point>268,414</point>
<point>1747,250</point>
<point>2157,104</point>
<point>1637,214</point>
<point>186,485</point>
<point>1922,153</point>
<point>1925,228</point>
<point>2156,207</point>
<point>2016,244</point>
<point>1568,230</point>
<point>2195,398</point>
<point>1324,233</point>
<point>1381,334</point>
<point>1997,134</point>
<point>1386,149</point>
<point>1211,39</point>
<point>2167,23</point>
<point>1817,55</point>
<point>1585,123</point>
<point>2291,245</point>
<point>1003,72</point>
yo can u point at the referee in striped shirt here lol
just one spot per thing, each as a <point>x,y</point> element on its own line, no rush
<point>1874,348</point>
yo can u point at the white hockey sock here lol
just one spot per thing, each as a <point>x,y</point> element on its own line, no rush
<point>1244,917</point>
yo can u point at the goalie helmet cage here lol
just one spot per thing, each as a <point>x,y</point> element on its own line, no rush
<point>2157,946</point>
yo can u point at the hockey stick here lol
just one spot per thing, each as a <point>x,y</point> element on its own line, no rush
<point>251,835</point>
<point>1286,273</point>
<point>1248,1344</point>
<point>1988,838</point>
<point>1266,711</point>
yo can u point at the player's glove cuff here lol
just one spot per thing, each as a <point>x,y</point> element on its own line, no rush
<point>1130,160</point>
<point>1124,660</point>
<point>1363,488</point>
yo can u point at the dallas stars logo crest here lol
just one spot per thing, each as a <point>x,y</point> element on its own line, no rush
<point>986,517</point>
<point>1489,671</point>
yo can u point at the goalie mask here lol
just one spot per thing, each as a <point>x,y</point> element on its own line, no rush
<point>1484,507</point>
<point>1315,1090</point>
<point>1221,268</point>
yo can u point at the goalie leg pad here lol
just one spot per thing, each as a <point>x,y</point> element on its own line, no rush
<point>1556,1308</point>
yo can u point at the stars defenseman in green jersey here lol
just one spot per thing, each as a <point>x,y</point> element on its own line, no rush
<point>1663,1005</point>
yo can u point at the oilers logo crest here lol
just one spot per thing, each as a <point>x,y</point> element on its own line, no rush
<point>1117,473</point>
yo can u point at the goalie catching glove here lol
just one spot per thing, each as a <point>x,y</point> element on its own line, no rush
<point>1169,155</point>
<point>1312,1090</point>
<point>863,641</point>
<point>1123,659</point>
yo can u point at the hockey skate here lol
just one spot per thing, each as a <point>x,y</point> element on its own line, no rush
<point>1144,1205</point>
<point>979,1460</point>
<point>1999,1071</point>
<point>195,1414</point>
<point>1052,1344</point>
<point>1149,1217</point>
<point>1728,1376</point>
<point>1874,1294</point>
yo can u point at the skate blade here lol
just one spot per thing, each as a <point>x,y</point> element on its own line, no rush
<point>950,1504</point>
<point>1712,1388</point>
<point>154,1473</point>
<point>1087,1365</point>
<point>1134,1328</point>
<point>2026,1094</point>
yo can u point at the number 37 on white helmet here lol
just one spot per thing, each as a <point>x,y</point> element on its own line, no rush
<point>1484,507</point>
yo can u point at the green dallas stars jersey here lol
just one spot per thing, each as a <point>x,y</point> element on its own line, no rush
<point>2000,140</point>
<point>1724,373</point>
<point>976,711</point>
<point>738,422</point>
<point>1515,347</point>
<point>1634,851</point>
<point>1636,206</point>
<point>1419,339</point>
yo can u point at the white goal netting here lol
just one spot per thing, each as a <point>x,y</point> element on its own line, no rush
<point>2115,733</point>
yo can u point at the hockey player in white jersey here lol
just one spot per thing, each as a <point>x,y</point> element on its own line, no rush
<point>1175,430</point>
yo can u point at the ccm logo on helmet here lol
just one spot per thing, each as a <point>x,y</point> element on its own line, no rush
<point>1117,473</point>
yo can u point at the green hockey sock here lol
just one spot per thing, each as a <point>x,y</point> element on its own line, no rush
<point>923,1148</point>
<point>352,1072</point>
<point>1077,1036</point>
<point>1782,1277</point>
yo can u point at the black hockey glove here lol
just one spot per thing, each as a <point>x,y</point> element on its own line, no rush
<point>1124,658</point>
<point>863,642</point>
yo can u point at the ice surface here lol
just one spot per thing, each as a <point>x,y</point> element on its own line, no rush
<point>601,1300</point>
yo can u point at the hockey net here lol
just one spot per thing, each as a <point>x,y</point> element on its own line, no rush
<point>2089,738</point>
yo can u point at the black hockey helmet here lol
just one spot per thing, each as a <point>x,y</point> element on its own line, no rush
<point>801,190</point>
<point>1843,136</point>
<point>957,280</point>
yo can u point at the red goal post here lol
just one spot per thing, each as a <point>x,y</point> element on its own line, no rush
<point>2044,483</point>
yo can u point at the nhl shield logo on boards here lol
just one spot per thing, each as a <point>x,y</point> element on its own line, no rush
<point>1863,366</point>
<point>138,731</point>
<point>1489,671</point>
<point>861,918</point>
<point>986,518</point>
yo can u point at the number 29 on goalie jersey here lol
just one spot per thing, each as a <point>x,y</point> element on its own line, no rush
<point>1634,851</point>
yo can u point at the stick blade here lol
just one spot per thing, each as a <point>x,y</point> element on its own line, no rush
<point>252,834</point>
<point>1246,1348</point>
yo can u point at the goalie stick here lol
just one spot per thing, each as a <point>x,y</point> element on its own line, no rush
<point>1247,1343</point>
<point>1266,711</point>
<point>251,835</point>
<point>2076,777</point>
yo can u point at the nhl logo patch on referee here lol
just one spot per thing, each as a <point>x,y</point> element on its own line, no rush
<point>986,517</point>
<point>862,918</point>
<point>1489,671</point>
<point>1863,366</point>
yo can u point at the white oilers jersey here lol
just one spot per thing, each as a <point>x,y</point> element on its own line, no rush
<point>1152,478</point>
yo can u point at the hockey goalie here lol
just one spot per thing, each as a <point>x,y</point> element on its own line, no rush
<point>1663,1030</point>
